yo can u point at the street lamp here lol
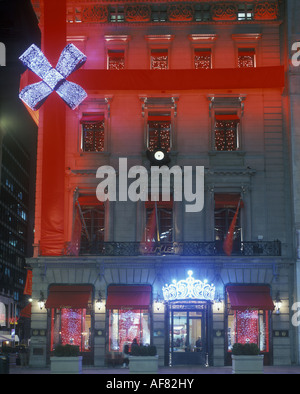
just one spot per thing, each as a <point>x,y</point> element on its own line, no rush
<point>41,301</point>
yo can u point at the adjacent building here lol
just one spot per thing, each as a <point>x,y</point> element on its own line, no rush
<point>200,87</point>
<point>18,134</point>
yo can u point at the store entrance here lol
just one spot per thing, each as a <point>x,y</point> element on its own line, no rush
<point>188,335</point>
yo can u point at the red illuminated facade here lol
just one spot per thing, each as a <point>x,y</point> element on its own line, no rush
<point>202,81</point>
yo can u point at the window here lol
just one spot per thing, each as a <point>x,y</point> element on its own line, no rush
<point>70,323</point>
<point>159,131</point>
<point>127,324</point>
<point>225,209</point>
<point>92,231</point>
<point>159,59</point>
<point>226,136</point>
<point>93,127</point>
<point>245,12</point>
<point>202,58</point>
<point>159,222</point>
<point>248,310</point>
<point>115,60</point>
<point>117,13</point>
<point>246,57</point>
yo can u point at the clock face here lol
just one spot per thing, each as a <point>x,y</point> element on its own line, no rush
<point>159,155</point>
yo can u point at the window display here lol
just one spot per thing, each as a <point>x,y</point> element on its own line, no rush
<point>126,325</point>
<point>71,326</point>
<point>249,326</point>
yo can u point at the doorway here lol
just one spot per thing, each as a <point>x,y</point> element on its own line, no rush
<point>188,344</point>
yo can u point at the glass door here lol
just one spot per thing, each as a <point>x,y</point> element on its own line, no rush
<point>187,336</point>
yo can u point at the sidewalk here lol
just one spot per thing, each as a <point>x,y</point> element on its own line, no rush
<point>188,370</point>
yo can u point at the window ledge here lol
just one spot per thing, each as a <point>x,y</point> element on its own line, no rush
<point>219,153</point>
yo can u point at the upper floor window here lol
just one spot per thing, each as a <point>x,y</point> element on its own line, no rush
<point>159,221</point>
<point>226,205</point>
<point>159,131</point>
<point>115,60</point>
<point>227,132</point>
<point>159,59</point>
<point>246,57</point>
<point>202,58</point>
<point>93,127</point>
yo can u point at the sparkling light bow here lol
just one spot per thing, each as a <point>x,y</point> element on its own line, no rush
<point>70,60</point>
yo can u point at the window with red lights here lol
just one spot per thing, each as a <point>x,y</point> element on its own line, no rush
<point>226,134</point>
<point>71,326</point>
<point>159,59</point>
<point>246,58</point>
<point>71,318</point>
<point>115,60</point>
<point>248,326</point>
<point>159,131</point>
<point>125,325</point>
<point>93,132</point>
<point>202,58</point>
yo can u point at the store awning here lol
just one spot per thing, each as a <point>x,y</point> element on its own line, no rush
<point>76,297</point>
<point>128,297</point>
<point>250,297</point>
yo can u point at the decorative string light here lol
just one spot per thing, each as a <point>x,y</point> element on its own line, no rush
<point>70,60</point>
<point>189,289</point>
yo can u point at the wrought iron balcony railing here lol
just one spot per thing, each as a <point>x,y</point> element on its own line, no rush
<point>214,248</point>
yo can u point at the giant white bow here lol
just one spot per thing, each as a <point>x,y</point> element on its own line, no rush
<point>53,79</point>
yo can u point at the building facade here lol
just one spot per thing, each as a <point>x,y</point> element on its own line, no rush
<point>198,86</point>
<point>18,134</point>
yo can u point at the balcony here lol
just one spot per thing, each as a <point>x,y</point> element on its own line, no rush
<point>214,248</point>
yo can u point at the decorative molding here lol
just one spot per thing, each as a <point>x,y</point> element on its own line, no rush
<point>181,12</point>
<point>266,10</point>
<point>224,12</point>
<point>137,13</point>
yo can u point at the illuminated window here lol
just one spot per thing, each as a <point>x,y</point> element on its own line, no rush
<point>159,222</point>
<point>246,57</point>
<point>70,324</point>
<point>117,13</point>
<point>159,59</point>
<point>202,58</point>
<point>245,12</point>
<point>93,127</point>
<point>127,324</point>
<point>159,131</point>
<point>115,60</point>
<point>226,132</point>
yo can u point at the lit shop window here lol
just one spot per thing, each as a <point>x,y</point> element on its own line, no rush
<point>248,315</point>
<point>159,131</point>
<point>115,60</point>
<point>249,326</point>
<point>246,58</point>
<point>93,131</point>
<point>70,316</point>
<point>159,59</point>
<point>159,222</point>
<point>227,133</point>
<point>202,58</point>
<point>125,325</point>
